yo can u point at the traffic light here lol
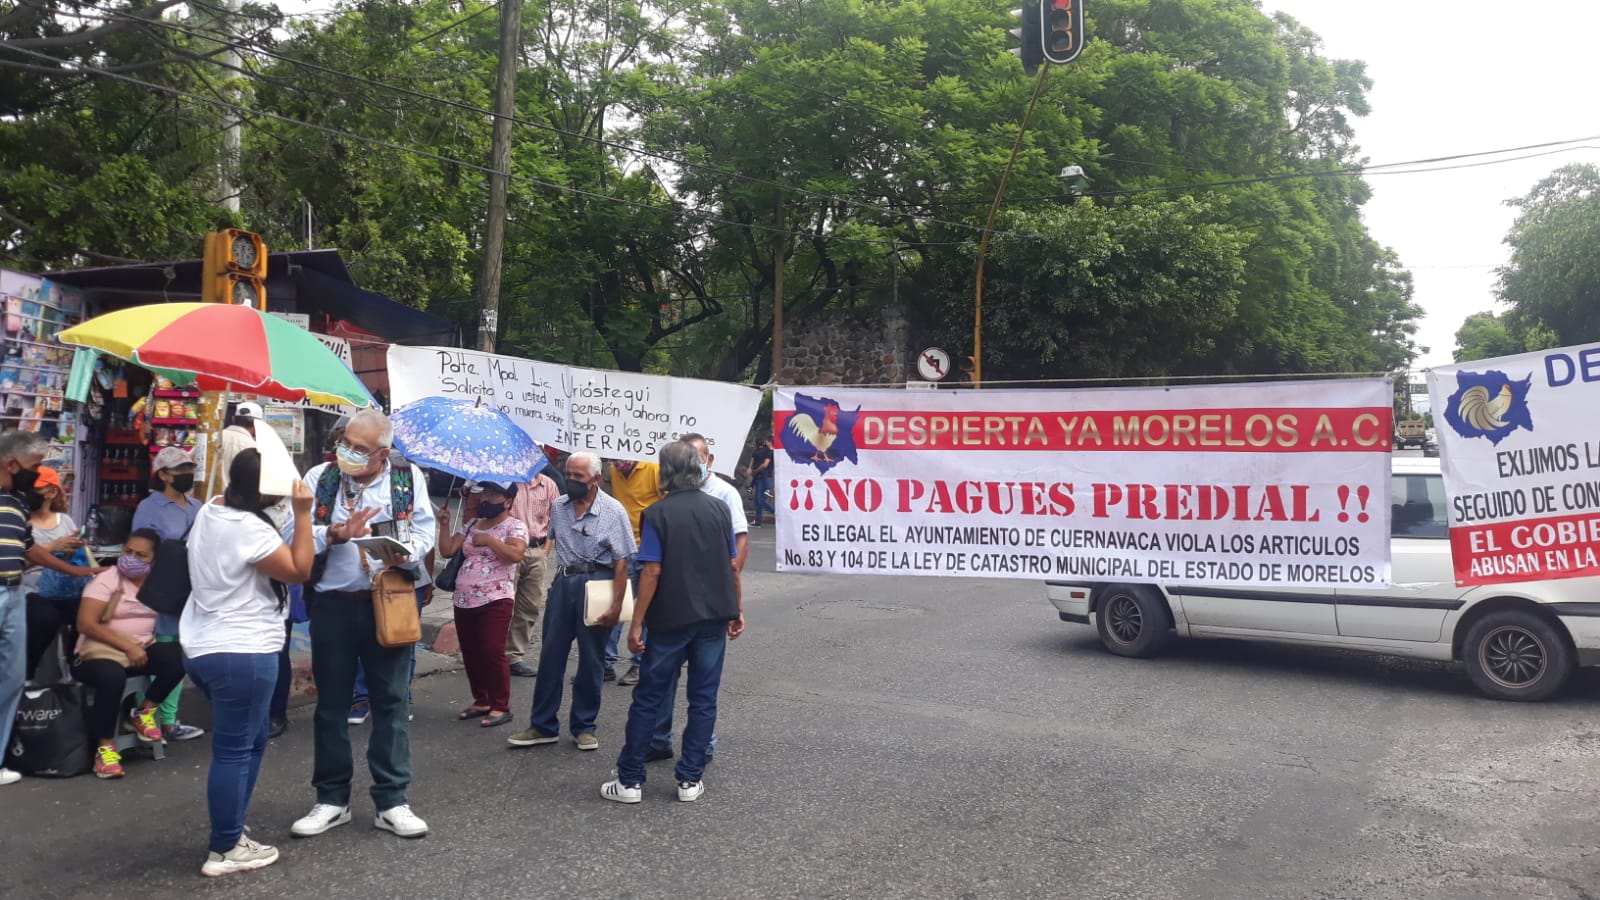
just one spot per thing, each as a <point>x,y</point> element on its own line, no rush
<point>1028,32</point>
<point>1063,30</point>
<point>235,269</point>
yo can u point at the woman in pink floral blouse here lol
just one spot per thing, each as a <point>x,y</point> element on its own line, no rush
<point>492,543</point>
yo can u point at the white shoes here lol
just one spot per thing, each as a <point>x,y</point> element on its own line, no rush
<point>401,821</point>
<point>244,856</point>
<point>9,777</point>
<point>622,793</point>
<point>322,817</point>
<point>690,791</point>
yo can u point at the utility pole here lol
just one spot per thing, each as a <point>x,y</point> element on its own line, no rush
<point>777,295</point>
<point>494,233</point>
<point>226,182</point>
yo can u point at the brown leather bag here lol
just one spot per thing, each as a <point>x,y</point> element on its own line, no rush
<point>394,608</point>
<point>91,649</point>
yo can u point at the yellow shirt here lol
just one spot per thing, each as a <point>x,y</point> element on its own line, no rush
<point>636,492</point>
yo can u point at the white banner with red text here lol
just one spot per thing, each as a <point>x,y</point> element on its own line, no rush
<point>1521,460</point>
<point>1271,485</point>
<point>618,415</point>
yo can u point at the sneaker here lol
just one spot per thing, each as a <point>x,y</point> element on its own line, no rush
<point>178,731</point>
<point>690,791</point>
<point>107,762</point>
<point>359,713</point>
<point>9,777</point>
<point>630,677</point>
<point>610,674</point>
<point>276,727</point>
<point>523,670</point>
<point>653,755</point>
<point>322,817</point>
<point>143,720</point>
<point>244,856</point>
<point>622,793</point>
<point>531,737</point>
<point>402,821</point>
<point>587,741</point>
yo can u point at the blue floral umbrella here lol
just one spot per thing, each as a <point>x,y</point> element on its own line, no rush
<point>478,443</point>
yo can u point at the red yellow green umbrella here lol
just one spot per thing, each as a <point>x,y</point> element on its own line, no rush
<point>222,347</point>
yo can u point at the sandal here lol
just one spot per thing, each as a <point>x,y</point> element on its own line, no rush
<point>492,721</point>
<point>472,712</point>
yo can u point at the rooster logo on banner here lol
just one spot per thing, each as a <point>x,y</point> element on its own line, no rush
<point>819,433</point>
<point>1489,405</point>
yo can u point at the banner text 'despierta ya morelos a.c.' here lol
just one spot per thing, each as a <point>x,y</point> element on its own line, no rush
<point>1521,464</point>
<point>1255,484</point>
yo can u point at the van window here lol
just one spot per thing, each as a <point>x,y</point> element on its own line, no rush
<point>1419,507</point>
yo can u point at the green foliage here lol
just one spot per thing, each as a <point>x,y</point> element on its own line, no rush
<point>1553,280</point>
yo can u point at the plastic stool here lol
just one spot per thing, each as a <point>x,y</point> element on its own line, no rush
<point>125,741</point>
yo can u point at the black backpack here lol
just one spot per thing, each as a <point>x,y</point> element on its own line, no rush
<point>166,589</point>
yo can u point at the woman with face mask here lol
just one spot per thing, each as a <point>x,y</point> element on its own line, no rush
<point>116,638</point>
<point>492,544</point>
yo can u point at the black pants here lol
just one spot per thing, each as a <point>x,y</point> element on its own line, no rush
<point>46,617</point>
<point>103,681</point>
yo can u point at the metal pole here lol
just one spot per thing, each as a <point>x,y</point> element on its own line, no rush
<point>494,234</point>
<point>983,242</point>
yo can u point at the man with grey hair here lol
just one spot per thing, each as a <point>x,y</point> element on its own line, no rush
<point>359,494</point>
<point>593,543</point>
<point>690,598</point>
<point>21,453</point>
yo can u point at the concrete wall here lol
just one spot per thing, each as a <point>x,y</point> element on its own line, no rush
<point>849,346</point>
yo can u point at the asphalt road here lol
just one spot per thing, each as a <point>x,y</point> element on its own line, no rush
<point>919,738</point>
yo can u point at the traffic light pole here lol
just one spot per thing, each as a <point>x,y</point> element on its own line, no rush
<point>494,233</point>
<point>988,226</point>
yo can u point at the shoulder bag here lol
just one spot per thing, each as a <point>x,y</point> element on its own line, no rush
<point>92,649</point>
<point>394,608</point>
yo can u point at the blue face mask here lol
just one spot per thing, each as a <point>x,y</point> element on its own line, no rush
<point>351,462</point>
<point>705,472</point>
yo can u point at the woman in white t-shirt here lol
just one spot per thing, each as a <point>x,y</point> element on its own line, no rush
<point>232,631</point>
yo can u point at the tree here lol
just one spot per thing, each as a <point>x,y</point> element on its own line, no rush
<point>1485,335</point>
<point>1553,279</point>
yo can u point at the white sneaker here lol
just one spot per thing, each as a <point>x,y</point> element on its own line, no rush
<point>245,855</point>
<point>690,791</point>
<point>622,793</point>
<point>322,817</point>
<point>402,821</point>
<point>9,777</point>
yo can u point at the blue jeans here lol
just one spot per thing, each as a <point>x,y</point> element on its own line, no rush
<point>13,660</point>
<point>614,645</point>
<point>704,647</point>
<point>563,624</point>
<point>239,686</point>
<point>761,485</point>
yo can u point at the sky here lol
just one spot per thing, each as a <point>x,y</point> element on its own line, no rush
<point>1460,76</point>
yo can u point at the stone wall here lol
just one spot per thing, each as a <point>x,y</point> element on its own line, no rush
<point>849,346</point>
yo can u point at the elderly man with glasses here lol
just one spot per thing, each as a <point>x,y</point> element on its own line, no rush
<point>594,540</point>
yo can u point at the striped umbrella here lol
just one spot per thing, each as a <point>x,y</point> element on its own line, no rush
<point>222,347</point>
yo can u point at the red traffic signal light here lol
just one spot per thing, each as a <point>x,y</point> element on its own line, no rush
<point>1062,26</point>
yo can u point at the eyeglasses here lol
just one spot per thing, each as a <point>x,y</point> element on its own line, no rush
<point>353,448</point>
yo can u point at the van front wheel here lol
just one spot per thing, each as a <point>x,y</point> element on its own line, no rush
<point>1133,621</point>
<point>1516,655</point>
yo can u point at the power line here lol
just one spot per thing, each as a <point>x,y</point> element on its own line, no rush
<point>242,110</point>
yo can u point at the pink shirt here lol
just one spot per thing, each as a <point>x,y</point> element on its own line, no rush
<point>532,506</point>
<point>485,577</point>
<point>131,618</point>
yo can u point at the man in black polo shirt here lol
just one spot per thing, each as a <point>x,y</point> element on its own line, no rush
<point>21,453</point>
<point>690,599</point>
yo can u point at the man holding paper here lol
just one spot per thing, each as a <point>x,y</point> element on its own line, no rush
<point>593,543</point>
<point>359,496</point>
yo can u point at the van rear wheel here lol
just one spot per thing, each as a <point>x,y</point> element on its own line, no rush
<point>1133,621</point>
<point>1517,655</point>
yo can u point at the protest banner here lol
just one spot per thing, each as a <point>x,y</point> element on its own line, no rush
<point>1521,461</point>
<point>1271,485</point>
<point>619,415</point>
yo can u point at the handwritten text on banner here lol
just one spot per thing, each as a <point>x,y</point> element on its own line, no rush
<point>619,415</point>
<point>1270,485</point>
<point>1521,464</point>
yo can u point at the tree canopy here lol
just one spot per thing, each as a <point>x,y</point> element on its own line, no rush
<point>666,155</point>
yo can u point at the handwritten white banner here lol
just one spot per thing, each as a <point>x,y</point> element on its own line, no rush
<point>619,415</point>
<point>1267,485</point>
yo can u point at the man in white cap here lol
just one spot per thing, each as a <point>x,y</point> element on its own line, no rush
<point>240,435</point>
<point>169,512</point>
